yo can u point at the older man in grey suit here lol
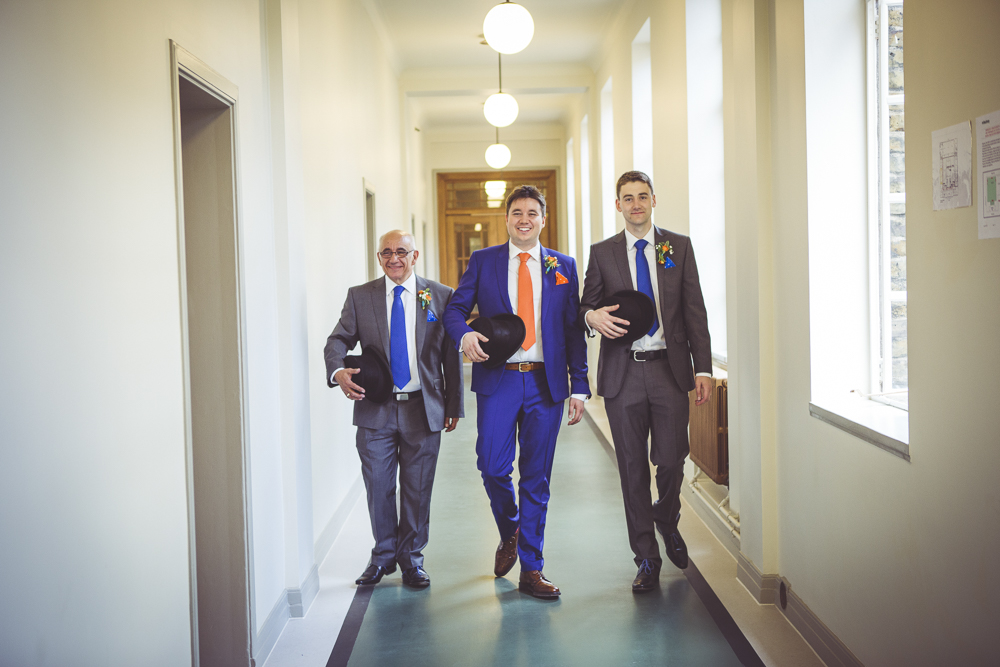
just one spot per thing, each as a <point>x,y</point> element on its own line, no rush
<point>399,315</point>
<point>645,385</point>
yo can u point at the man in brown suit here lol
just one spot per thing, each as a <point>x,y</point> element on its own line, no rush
<point>645,385</point>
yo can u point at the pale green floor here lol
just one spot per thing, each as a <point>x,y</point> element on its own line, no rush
<point>468,617</point>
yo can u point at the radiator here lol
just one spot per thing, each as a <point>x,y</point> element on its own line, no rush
<point>709,433</point>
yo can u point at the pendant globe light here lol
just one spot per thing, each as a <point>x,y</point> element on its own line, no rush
<point>500,108</point>
<point>498,155</point>
<point>508,28</point>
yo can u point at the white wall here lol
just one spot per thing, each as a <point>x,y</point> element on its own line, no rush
<point>350,116</point>
<point>93,501</point>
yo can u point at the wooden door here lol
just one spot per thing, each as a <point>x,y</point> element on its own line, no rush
<point>470,217</point>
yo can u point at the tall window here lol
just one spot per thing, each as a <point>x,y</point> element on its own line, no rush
<point>608,175</point>
<point>706,161</point>
<point>585,221</point>
<point>887,205</point>
<point>570,201</point>
<point>642,102</point>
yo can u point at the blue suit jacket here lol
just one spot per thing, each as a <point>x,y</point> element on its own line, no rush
<point>564,347</point>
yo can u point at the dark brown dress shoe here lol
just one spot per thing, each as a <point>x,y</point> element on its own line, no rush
<point>506,555</point>
<point>534,583</point>
<point>647,579</point>
<point>416,577</point>
<point>374,573</point>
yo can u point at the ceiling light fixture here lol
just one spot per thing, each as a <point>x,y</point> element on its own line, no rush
<point>500,108</point>
<point>498,155</point>
<point>508,28</point>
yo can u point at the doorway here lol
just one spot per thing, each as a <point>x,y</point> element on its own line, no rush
<point>471,214</point>
<point>214,365</point>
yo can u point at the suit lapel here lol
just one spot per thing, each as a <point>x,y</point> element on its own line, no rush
<point>661,278</point>
<point>502,261</point>
<point>620,251</point>
<point>548,283</point>
<point>421,315</point>
<point>378,306</point>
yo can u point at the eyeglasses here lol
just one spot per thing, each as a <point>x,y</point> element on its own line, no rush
<point>400,253</point>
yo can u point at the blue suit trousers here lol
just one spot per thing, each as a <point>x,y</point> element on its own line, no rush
<point>521,406</point>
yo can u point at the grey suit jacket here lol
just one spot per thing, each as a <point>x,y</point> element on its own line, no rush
<point>439,362</point>
<point>682,309</point>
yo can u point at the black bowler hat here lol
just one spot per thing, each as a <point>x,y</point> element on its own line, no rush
<point>635,307</point>
<point>505,332</point>
<point>375,377</point>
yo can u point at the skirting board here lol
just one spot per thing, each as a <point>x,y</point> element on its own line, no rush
<point>336,523</point>
<point>271,630</point>
<point>764,588</point>
<point>293,604</point>
<point>709,518</point>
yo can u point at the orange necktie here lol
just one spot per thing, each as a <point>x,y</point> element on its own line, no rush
<point>526,302</point>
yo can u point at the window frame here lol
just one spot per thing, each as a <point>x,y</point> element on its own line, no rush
<point>880,201</point>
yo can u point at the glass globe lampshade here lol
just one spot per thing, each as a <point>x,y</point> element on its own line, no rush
<point>508,28</point>
<point>500,109</point>
<point>498,156</point>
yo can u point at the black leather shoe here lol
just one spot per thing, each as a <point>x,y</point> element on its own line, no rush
<point>647,579</point>
<point>416,577</point>
<point>677,551</point>
<point>374,573</point>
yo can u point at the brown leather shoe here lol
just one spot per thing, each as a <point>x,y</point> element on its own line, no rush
<point>506,555</point>
<point>535,583</point>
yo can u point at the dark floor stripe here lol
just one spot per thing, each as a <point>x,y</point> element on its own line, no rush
<point>352,625</point>
<point>737,640</point>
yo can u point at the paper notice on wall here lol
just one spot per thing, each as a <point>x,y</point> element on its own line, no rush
<point>988,150</point>
<point>951,168</point>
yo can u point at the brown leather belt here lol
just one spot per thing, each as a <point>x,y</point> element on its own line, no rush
<point>525,366</point>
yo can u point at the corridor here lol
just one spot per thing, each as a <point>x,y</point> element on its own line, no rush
<point>469,617</point>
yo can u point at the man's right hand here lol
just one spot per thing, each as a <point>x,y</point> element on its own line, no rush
<point>351,390</point>
<point>603,321</point>
<point>470,346</point>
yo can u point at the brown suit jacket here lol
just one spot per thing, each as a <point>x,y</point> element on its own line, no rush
<point>682,309</point>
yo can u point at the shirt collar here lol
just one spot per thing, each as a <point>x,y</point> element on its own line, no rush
<point>630,238</point>
<point>410,284</point>
<point>535,252</point>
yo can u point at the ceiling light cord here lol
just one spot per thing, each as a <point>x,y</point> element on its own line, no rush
<point>500,70</point>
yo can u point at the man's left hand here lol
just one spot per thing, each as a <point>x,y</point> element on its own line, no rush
<point>575,411</point>
<point>702,389</point>
<point>450,425</point>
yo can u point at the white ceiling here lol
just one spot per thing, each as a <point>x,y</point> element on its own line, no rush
<point>446,33</point>
<point>443,37</point>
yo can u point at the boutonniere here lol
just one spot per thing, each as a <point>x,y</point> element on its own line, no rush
<point>550,263</point>
<point>662,250</point>
<point>424,297</point>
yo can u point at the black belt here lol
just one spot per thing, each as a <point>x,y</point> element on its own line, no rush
<point>647,355</point>
<point>407,395</point>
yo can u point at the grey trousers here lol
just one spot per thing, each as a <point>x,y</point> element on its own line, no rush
<point>649,408</point>
<point>405,442</point>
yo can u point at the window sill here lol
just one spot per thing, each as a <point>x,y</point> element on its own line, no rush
<point>881,425</point>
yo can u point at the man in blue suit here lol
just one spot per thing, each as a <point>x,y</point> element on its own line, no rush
<point>524,396</point>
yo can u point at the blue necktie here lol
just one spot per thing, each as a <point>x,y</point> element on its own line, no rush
<point>399,359</point>
<point>642,280</point>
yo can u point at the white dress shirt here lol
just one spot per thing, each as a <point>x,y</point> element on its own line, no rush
<point>656,341</point>
<point>533,353</point>
<point>409,299</point>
